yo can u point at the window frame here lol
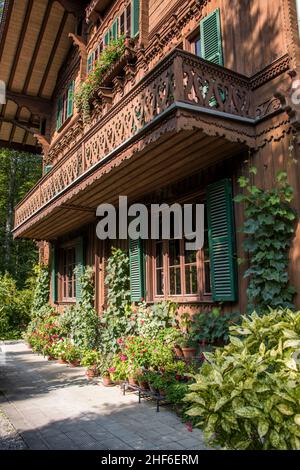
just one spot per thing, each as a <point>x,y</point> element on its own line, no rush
<point>202,295</point>
<point>64,271</point>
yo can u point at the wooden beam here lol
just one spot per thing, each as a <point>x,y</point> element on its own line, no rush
<point>53,52</point>
<point>19,147</point>
<point>25,125</point>
<point>76,7</point>
<point>37,46</point>
<point>34,104</point>
<point>8,6</point>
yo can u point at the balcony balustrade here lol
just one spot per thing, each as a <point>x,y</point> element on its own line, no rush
<point>179,79</point>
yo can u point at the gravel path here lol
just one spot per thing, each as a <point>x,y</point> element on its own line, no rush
<point>9,438</point>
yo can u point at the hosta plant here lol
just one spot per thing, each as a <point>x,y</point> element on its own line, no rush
<point>247,394</point>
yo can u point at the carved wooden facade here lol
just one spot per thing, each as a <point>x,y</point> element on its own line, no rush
<point>160,117</point>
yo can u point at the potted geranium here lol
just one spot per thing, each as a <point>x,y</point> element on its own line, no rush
<point>90,360</point>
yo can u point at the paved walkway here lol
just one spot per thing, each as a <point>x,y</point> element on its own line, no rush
<point>53,406</point>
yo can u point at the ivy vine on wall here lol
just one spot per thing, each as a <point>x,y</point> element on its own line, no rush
<point>269,229</point>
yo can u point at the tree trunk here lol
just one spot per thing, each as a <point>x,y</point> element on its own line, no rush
<point>10,212</point>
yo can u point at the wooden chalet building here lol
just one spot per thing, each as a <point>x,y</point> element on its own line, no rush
<point>195,94</point>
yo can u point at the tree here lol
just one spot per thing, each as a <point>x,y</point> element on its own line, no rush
<point>18,173</point>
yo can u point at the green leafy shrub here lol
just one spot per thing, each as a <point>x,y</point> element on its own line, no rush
<point>15,308</point>
<point>269,229</point>
<point>213,327</point>
<point>41,290</point>
<point>81,321</point>
<point>247,394</point>
<point>115,322</point>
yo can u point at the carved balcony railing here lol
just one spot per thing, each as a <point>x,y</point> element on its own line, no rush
<point>179,78</point>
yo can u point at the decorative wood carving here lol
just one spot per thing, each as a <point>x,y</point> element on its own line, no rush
<point>180,78</point>
<point>79,42</point>
<point>45,144</point>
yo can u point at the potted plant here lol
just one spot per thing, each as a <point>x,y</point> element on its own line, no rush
<point>143,381</point>
<point>188,341</point>
<point>72,355</point>
<point>106,370</point>
<point>90,360</point>
<point>59,351</point>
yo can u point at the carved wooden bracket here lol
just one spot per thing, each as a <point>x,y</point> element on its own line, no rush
<point>44,142</point>
<point>79,42</point>
<point>106,94</point>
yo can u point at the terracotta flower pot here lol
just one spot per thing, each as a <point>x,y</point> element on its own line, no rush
<point>133,381</point>
<point>178,351</point>
<point>91,373</point>
<point>189,353</point>
<point>74,363</point>
<point>62,361</point>
<point>51,358</point>
<point>143,384</point>
<point>106,380</point>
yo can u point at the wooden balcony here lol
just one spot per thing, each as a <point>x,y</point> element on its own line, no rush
<point>180,81</point>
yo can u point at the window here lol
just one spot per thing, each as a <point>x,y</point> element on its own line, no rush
<point>181,272</point>
<point>196,45</point>
<point>206,41</point>
<point>68,275</point>
<point>128,20</point>
<point>65,105</point>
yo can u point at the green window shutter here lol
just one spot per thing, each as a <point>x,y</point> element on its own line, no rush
<point>80,263</point>
<point>71,99</point>
<point>114,29</point>
<point>136,260</point>
<point>211,38</point>
<point>221,236</point>
<point>135,28</point>
<point>59,113</point>
<point>47,169</point>
<point>107,38</point>
<point>54,283</point>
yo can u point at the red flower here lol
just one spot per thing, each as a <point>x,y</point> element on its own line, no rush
<point>189,427</point>
<point>123,358</point>
<point>119,341</point>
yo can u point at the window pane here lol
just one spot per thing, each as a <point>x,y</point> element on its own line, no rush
<point>122,24</point>
<point>128,19</point>
<point>197,45</point>
<point>190,256</point>
<point>159,282</point>
<point>175,281</point>
<point>174,252</point>
<point>191,279</point>
<point>159,255</point>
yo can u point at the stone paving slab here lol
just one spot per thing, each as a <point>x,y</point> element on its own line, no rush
<point>53,406</point>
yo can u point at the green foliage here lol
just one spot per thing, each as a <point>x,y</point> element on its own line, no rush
<point>269,229</point>
<point>247,395</point>
<point>213,327</point>
<point>87,89</point>
<point>14,308</point>
<point>149,321</point>
<point>90,359</point>
<point>41,290</point>
<point>115,320</point>
<point>19,171</point>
